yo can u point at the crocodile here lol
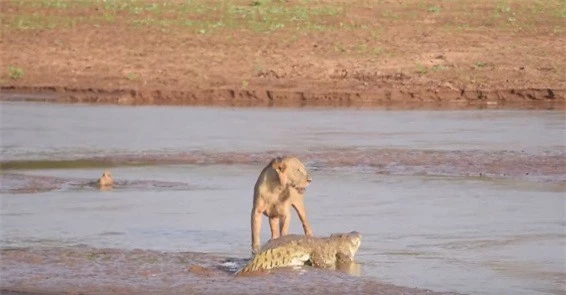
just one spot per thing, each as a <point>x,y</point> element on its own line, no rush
<point>298,250</point>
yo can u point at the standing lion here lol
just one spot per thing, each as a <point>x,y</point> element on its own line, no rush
<point>280,185</point>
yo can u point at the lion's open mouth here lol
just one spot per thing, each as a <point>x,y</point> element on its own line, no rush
<point>300,190</point>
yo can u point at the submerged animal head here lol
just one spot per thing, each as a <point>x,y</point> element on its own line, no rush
<point>349,243</point>
<point>292,173</point>
<point>105,179</point>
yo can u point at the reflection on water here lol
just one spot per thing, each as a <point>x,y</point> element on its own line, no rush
<point>351,268</point>
<point>449,230</point>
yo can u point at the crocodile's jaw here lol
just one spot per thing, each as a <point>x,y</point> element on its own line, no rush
<point>351,246</point>
<point>355,242</point>
<point>355,246</point>
<point>299,260</point>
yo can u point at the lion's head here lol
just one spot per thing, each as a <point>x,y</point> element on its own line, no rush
<point>105,179</point>
<point>292,173</point>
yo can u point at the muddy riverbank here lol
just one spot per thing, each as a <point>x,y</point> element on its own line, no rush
<point>85,270</point>
<point>410,54</point>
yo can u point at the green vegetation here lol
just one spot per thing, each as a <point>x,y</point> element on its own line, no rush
<point>92,256</point>
<point>480,64</point>
<point>131,76</point>
<point>359,49</point>
<point>200,15</point>
<point>47,164</point>
<point>206,16</point>
<point>437,68</point>
<point>434,9</point>
<point>294,20</point>
<point>421,69</point>
<point>15,73</point>
<point>264,16</point>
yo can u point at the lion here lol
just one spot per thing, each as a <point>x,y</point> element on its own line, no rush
<point>105,181</point>
<point>280,185</point>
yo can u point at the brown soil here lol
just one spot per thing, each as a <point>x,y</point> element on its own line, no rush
<point>398,53</point>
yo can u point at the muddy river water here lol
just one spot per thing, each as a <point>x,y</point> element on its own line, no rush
<point>452,201</point>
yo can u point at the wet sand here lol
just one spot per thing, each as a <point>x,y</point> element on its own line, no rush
<point>83,270</point>
<point>15,183</point>
<point>547,167</point>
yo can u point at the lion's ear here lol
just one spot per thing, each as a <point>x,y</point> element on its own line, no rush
<point>282,167</point>
<point>279,165</point>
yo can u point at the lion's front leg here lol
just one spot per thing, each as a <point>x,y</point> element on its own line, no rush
<point>274,225</point>
<point>300,208</point>
<point>284,222</point>
<point>256,227</point>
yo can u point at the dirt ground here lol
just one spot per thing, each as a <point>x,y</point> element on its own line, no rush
<point>452,54</point>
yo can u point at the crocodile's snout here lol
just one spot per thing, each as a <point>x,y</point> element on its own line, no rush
<point>355,242</point>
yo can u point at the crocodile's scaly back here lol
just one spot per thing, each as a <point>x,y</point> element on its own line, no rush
<point>296,250</point>
<point>285,251</point>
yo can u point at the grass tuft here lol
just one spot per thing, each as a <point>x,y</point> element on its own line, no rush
<point>15,73</point>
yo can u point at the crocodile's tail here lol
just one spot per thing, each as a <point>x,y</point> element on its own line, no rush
<point>274,258</point>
